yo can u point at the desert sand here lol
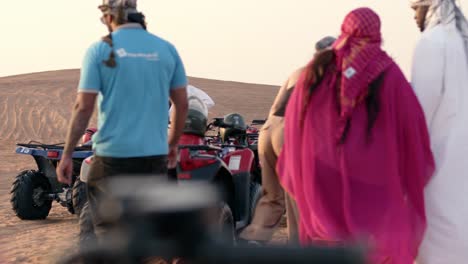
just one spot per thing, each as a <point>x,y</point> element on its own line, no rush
<point>38,107</point>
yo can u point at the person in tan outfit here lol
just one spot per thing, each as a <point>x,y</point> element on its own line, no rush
<point>274,203</point>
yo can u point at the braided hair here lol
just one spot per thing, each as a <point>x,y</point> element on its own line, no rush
<point>121,19</point>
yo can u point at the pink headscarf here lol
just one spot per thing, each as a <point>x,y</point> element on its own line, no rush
<point>359,58</point>
<point>360,189</point>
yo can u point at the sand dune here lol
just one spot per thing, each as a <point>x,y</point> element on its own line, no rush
<point>38,107</point>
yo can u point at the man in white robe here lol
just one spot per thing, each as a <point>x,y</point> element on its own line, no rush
<point>440,79</point>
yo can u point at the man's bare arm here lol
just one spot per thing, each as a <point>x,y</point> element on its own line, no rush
<point>178,115</point>
<point>82,111</point>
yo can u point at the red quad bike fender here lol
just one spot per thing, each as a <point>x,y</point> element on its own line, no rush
<point>212,170</point>
<point>240,164</point>
<point>240,161</point>
<point>188,163</point>
<point>232,174</point>
<point>189,139</point>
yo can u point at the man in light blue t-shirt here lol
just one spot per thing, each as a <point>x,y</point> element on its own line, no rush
<point>133,74</point>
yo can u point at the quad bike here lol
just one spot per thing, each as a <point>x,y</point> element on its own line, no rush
<point>227,160</point>
<point>230,167</point>
<point>232,174</point>
<point>231,133</point>
<point>33,191</point>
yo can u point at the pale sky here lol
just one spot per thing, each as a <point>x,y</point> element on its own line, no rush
<point>257,41</point>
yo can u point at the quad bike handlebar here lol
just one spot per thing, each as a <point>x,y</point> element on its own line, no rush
<point>219,122</point>
<point>59,146</point>
<point>200,147</point>
<point>234,146</point>
<point>256,122</point>
<point>42,146</point>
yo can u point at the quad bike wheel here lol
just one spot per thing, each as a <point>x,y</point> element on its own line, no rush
<point>87,237</point>
<point>69,201</point>
<point>255,195</point>
<point>226,223</point>
<point>79,196</point>
<point>29,195</point>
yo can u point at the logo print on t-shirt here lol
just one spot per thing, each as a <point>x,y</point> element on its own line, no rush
<point>122,53</point>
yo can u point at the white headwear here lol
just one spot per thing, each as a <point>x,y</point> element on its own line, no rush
<point>444,12</point>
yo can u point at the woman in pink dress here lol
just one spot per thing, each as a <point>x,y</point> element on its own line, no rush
<point>356,153</point>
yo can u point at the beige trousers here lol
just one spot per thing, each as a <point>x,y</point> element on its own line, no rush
<point>272,204</point>
<point>292,216</point>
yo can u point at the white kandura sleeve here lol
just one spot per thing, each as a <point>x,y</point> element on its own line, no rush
<point>428,76</point>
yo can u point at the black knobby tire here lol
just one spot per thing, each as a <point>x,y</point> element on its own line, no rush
<point>28,195</point>
<point>227,224</point>
<point>79,196</point>
<point>87,237</point>
<point>255,195</point>
<point>70,207</point>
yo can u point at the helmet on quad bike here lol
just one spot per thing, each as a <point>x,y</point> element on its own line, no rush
<point>197,117</point>
<point>88,135</point>
<point>234,126</point>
